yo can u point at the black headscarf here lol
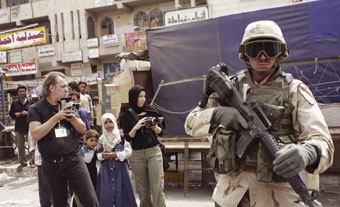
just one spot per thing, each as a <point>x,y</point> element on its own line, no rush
<point>133,98</point>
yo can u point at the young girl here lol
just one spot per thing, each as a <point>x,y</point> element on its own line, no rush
<point>114,184</point>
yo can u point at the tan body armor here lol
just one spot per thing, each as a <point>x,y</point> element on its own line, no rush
<point>274,99</point>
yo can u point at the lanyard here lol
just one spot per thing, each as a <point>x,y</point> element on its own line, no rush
<point>58,112</point>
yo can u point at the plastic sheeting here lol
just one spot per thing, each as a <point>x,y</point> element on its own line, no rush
<point>189,50</point>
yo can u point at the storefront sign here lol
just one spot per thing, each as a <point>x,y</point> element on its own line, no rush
<point>46,51</point>
<point>22,38</point>
<point>135,41</point>
<point>186,15</point>
<point>101,3</point>
<point>94,53</point>
<point>93,42</point>
<point>110,40</point>
<point>3,57</point>
<point>81,69</point>
<point>22,69</point>
<point>15,57</point>
<point>71,56</point>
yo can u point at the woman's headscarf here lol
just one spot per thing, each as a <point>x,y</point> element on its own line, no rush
<point>110,139</point>
<point>133,98</point>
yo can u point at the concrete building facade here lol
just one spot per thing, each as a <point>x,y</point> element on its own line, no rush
<point>84,36</point>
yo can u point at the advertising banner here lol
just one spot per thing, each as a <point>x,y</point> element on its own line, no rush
<point>23,38</point>
<point>22,69</point>
<point>135,41</point>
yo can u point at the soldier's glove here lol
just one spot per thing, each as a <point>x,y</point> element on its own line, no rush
<point>294,158</point>
<point>229,117</point>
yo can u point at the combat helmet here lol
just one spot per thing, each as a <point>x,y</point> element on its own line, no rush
<point>265,29</point>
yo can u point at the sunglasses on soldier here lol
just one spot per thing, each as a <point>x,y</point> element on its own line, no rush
<point>270,48</point>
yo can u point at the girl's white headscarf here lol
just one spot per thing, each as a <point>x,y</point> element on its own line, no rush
<point>110,139</point>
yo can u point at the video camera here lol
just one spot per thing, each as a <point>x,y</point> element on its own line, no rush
<point>153,121</point>
<point>73,106</point>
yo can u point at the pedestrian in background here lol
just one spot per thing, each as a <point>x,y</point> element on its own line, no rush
<point>82,113</point>
<point>82,89</point>
<point>89,152</point>
<point>18,112</point>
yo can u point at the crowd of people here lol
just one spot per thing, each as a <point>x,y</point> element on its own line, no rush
<point>68,144</point>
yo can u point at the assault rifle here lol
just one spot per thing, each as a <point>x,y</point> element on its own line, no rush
<point>259,124</point>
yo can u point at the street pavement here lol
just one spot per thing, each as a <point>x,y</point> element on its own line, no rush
<point>21,190</point>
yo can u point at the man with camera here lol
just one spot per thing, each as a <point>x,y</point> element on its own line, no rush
<point>54,127</point>
<point>81,112</point>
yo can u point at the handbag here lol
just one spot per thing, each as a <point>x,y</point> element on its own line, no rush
<point>166,164</point>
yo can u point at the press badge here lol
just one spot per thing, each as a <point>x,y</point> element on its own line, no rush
<point>60,132</point>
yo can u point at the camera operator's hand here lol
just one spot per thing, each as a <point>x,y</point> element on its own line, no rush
<point>140,123</point>
<point>66,113</point>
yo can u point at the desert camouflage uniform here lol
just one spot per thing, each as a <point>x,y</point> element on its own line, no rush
<point>307,125</point>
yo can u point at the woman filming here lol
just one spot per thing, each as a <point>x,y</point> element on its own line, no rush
<point>146,159</point>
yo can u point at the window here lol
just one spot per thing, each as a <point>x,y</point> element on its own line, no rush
<point>62,25</point>
<point>16,2</point>
<point>79,28</point>
<point>156,18</point>
<point>141,21</point>
<point>91,32</point>
<point>56,28</point>
<point>72,23</point>
<point>107,26</point>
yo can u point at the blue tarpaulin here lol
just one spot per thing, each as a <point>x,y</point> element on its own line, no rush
<point>311,30</point>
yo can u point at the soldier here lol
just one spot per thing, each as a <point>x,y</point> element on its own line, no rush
<point>297,124</point>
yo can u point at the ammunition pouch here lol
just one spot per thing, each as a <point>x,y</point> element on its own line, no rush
<point>222,157</point>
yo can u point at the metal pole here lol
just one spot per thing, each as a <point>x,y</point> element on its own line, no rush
<point>3,100</point>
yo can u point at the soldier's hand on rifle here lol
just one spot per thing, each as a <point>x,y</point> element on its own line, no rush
<point>294,158</point>
<point>229,117</point>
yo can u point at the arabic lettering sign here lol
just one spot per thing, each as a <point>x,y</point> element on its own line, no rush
<point>23,38</point>
<point>94,53</point>
<point>93,42</point>
<point>186,15</point>
<point>71,56</point>
<point>15,57</point>
<point>135,41</point>
<point>110,40</point>
<point>22,69</point>
<point>46,51</point>
<point>3,57</point>
<point>4,16</point>
<point>101,3</point>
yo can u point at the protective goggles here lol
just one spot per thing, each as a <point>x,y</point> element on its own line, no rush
<point>270,48</point>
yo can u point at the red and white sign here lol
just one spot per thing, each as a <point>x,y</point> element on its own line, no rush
<point>22,69</point>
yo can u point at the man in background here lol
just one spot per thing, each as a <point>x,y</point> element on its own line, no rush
<point>18,112</point>
<point>82,88</point>
<point>83,115</point>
